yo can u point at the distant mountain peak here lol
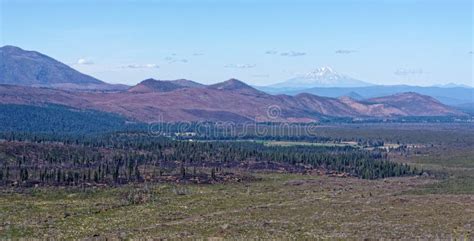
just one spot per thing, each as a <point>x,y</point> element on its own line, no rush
<point>188,83</point>
<point>31,68</point>
<point>230,84</point>
<point>11,48</point>
<point>234,81</point>
<point>153,85</point>
<point>406,97</point>
<point>321,77</point>
<point>324,75</point>
<point>148,81</point>
<point>452,85</point>
<point>353,95</point>
<point>10,52</point>
<point>412,102</point>
<point>235,85</point>
<point>322,71</point>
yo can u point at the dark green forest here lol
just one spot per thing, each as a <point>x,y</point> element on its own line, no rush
<point>124,158</point>
<point>57,145</point>
<point>61,120</point>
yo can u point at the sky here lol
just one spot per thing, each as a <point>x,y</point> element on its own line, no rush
<point>415,42</point>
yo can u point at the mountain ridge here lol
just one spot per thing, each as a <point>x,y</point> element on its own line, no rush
<point>449,96</point>
<point>31,68</point>
<point>153,85</point>
<point>320,77</point>
<point>210,104</point>
<point>154,100</point>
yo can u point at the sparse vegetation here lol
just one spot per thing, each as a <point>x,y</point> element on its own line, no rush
<point>239,189</point>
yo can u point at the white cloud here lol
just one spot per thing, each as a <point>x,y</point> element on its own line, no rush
<point>271,52</point>
<point>84,61</point>
<point>293,54</point>
<point>406,72</point>
<point>286,54</point>
<point>142,66</point>
<point>345,51</point>
<point>240,66</point>
<point>175,60</point>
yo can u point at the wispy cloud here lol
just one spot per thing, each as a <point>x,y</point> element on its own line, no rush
<point>345,51</point>
<point>240,66</point>
<point>172,59</point>
<point>141,66</point>
<point>84,61</point>
<point>406,72</point>
<point>293,54</point>
<point>198,54</point>
<point>285,54</point>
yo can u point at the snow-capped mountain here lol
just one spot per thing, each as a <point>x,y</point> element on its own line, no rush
<point>321,77</point>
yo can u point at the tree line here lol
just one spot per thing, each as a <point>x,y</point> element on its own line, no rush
<point>122,158</point>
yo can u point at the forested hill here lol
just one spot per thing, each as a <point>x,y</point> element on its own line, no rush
<point>60,119</point>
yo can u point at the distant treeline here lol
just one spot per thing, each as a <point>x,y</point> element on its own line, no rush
<point>123,158</point>
<point>59,119</point>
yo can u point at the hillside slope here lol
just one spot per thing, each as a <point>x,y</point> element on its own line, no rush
<point>227,102</point>
<point>30,68</point>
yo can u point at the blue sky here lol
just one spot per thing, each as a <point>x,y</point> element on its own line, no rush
<point>417,42</point>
